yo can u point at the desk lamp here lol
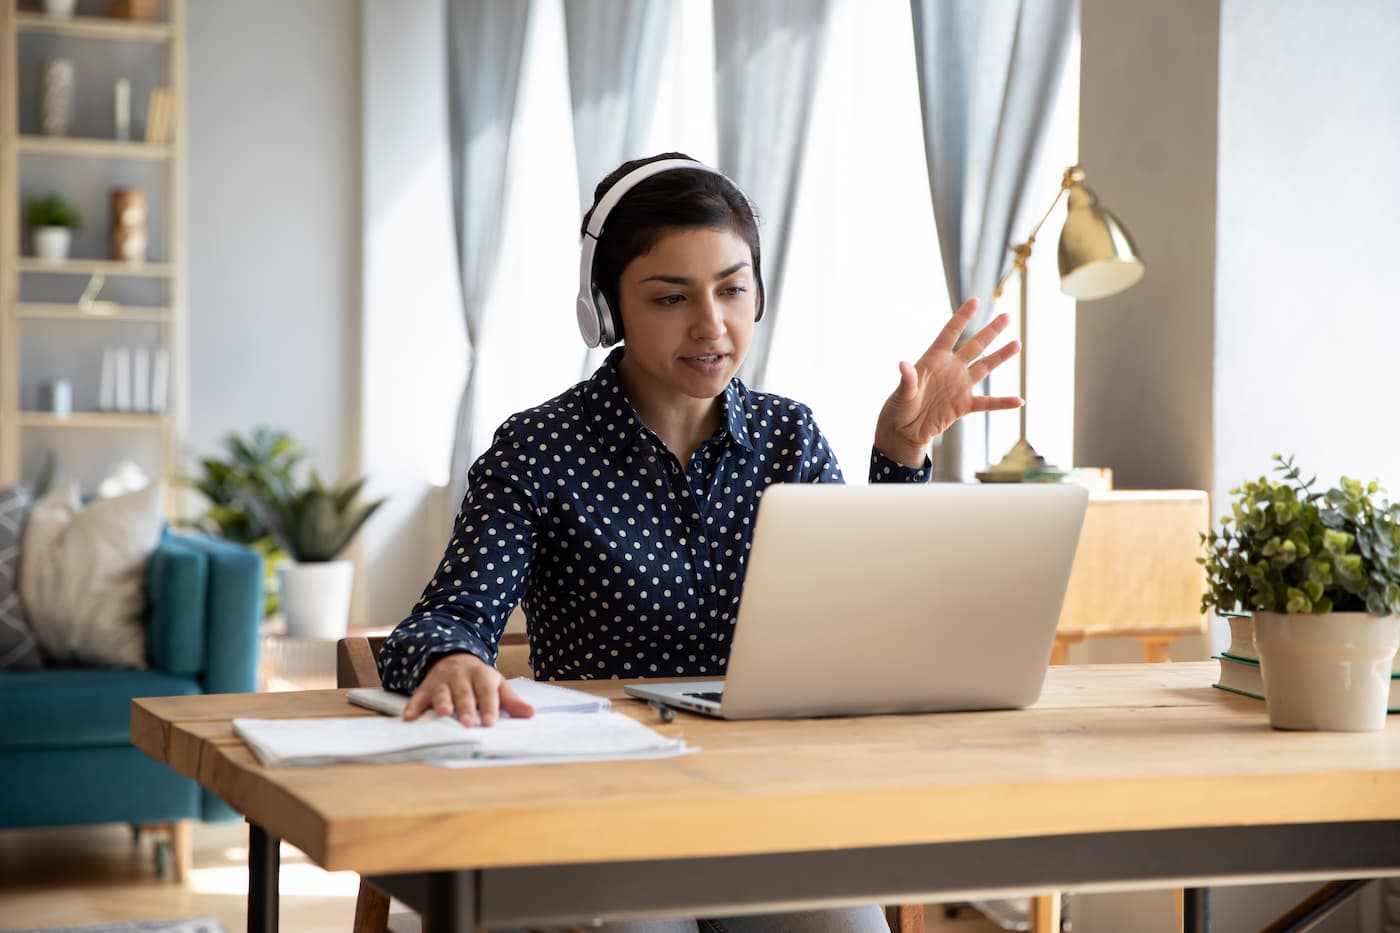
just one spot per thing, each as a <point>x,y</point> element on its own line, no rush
<point>1097,259</point>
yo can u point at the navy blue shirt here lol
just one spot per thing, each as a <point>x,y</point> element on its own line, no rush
<point>628,564</point>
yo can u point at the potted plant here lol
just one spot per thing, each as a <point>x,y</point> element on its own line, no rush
<point>52,220</point>
<point>313,525</point>
<point>254,465</point>
<point>1320,574</point>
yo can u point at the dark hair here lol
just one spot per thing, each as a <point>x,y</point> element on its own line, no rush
<point>671,200</point>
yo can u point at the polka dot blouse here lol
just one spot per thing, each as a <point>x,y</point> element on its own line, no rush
<point>627,563</point>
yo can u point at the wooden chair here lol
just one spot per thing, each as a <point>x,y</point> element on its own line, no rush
<point>355,667</point>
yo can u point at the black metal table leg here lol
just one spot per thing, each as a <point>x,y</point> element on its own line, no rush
<point>1195,910</point>
<point>263,869</point>
<point>451,903</point>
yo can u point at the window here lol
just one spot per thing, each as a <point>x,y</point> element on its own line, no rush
<point>864,284</point>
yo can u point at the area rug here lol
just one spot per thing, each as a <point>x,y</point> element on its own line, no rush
<point>192,925</point>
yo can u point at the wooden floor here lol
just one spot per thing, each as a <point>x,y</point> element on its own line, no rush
<point>68,877</point>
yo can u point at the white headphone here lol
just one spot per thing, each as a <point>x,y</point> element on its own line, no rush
<point>598,323</point>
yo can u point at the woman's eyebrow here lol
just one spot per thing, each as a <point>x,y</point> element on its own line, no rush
<point>683,280</point>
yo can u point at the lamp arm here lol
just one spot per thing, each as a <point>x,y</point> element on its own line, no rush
<point>1073,175</point>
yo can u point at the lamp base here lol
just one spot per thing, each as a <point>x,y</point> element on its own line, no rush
<point>1013,467</point>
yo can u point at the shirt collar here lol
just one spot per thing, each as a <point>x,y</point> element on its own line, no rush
<point>616,422</point>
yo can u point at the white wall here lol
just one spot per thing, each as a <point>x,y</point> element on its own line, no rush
<point>274,221</point>
<point>1249,146</point>
<point>1147,141</point>
<point>1305,319</point>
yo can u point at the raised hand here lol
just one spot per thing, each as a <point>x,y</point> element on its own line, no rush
<point>938,389</point>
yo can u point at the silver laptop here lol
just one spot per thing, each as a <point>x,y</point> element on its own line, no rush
<point>887,599</point>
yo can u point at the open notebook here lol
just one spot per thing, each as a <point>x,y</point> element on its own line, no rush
<point>568,725</point>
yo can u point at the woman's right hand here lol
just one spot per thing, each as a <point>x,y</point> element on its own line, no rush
<point>466,685</point>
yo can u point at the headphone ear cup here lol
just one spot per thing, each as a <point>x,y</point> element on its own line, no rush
<point>762,298</point>
<point>588,327</point>
<point>607,323</point>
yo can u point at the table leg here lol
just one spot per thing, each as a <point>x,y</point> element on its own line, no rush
<point>451,902</point>
<point>1154,648</point>
<point>1195,912</point>
<point>263,866</point>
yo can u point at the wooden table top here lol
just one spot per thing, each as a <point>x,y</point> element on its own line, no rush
<point>1107,748</point>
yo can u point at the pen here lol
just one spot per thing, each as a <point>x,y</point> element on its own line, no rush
<point>665,712</point>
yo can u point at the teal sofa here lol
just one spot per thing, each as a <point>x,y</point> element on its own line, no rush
<point>66,756</point>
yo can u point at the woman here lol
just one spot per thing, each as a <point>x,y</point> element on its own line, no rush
<point>620,512</point>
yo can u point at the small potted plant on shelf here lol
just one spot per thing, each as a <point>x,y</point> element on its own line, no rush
<point>1319,572</point>
<point>52,221</point>
<point>313,525</point>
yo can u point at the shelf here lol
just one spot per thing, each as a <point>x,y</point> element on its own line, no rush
<point>94,148</point>
<point>121,313</point>
<point>89,267</point>
<point>93,419</point>
<point>93,27</point>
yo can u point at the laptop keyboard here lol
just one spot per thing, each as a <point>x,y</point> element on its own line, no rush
<point>713,696</point>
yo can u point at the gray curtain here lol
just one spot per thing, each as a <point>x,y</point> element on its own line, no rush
<point>989,71</point>
<point>616,48</point>
<point>486,40</point>
<point>767,57</point>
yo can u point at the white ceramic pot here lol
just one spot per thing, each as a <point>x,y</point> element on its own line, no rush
<point>61,9</point>
<point>1326,672</point>
<point>51,243</point>
<point>316,597</point>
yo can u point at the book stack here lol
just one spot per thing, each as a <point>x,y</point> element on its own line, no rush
<point>1240,672</point>
<point>159,112</point>
<point>568,725</point>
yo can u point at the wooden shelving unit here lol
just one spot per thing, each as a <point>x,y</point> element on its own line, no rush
<point>89,267</point>
<point>33,320</point>
<point>93,148</point>
<point>56,312</point>
<point>93,27</point>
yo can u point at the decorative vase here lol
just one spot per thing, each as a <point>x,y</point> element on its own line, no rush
<point>59,9</point>
<point>51,243</point>
<point>55,97</point>
<point>129,225</point>
<point>316,597</point>
<point>1326,672</point>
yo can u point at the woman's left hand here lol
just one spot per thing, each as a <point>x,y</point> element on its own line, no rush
<point>937,390</point>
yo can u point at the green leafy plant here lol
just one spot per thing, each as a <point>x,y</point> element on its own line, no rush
<point>52,211</point>
<point>1289,548</point>
<point>256,465</point>
<point>315,523</point>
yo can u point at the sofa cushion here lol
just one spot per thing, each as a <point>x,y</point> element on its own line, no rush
<point>69,707</point>
<point>83,578</point>
<point>18,650</point>
<point>76,786</point>
<point>177,581</point>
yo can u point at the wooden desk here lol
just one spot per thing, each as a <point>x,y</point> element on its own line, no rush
<point>1121,777</point>
<point>1135,572</point>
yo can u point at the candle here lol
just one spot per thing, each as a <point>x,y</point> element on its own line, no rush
<point>122,104</point>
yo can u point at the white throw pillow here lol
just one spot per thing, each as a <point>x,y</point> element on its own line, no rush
<point>83,577</point>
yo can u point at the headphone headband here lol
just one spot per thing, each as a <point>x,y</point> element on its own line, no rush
<point>596,321</point>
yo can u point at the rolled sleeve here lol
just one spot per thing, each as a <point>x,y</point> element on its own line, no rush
<point>885,470</point>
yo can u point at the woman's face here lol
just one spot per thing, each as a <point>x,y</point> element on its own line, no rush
<point>687,310</point>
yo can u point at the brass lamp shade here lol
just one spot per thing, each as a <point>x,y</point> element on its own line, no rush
<point>1097,258</point>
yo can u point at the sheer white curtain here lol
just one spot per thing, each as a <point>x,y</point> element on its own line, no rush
<point>486,39</point>
<point>615,51</point>
<point>989,72</point>
<point>767,57</point>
